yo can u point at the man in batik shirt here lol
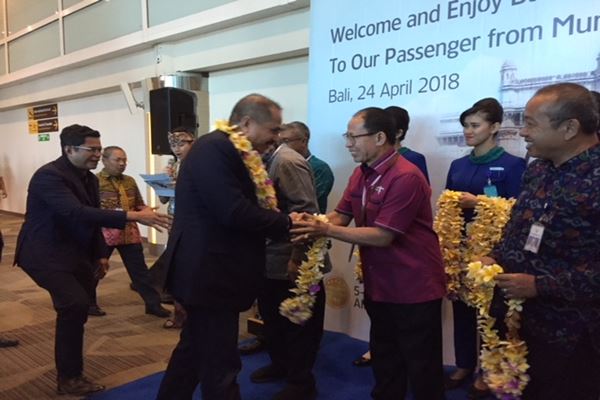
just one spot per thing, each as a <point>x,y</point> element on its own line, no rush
<point>120,192</point>
<point>551,246</point>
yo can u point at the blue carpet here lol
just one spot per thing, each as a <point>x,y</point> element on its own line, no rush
<point>337,379</point>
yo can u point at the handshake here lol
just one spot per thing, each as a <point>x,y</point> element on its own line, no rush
<point>307,227</point>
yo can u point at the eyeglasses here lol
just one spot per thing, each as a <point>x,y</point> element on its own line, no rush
<point>96,150</point>
<point>352,138</point>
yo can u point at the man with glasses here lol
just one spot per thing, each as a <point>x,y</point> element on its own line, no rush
<point>60,245</point>
<point>120,192</point>
<point>389,200</point>
<point>297,135</point>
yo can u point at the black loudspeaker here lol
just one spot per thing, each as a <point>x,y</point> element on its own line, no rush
<point>170,108</point>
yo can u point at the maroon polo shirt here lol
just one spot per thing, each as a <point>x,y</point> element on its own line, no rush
<point>394,195</point>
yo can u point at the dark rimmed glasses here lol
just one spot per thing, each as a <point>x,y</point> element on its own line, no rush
<point>352,138</point>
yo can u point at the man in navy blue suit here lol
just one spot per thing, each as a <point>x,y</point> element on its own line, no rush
<point>216,253</point>
<point>60,245</point>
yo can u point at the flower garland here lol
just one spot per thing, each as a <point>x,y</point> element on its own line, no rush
<point>265,192</point>
<point>298,309</point>
<point>448,224</point>
<point>504,362</point>
<point>491,215</point>
<point>358,271</point>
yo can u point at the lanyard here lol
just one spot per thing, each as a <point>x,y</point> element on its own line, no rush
<point>366,195</point>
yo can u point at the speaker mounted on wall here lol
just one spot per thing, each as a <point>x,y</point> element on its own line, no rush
<point>170,108</point>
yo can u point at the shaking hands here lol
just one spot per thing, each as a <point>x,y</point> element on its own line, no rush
<point>305,227</point>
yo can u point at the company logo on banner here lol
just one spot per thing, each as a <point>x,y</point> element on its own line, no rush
<point>436,58</point>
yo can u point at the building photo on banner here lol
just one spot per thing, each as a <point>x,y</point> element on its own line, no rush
<point>435,59</point>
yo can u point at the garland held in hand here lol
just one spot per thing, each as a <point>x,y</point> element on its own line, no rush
<point>491,215</point>
<point>265,192</point>
<point>358,270</point>
<point>299,308</point>
<point>504,362</point>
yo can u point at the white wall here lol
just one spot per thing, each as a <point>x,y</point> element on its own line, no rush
<point>285,81</point>
<point>21,154</point>
<point>264,54</point>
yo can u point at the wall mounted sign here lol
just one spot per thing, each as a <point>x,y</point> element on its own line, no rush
<point>43,119</point>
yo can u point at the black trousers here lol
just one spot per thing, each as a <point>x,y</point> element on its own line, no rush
<point>206,354</point>
<point>465,335</point>
<point>406,349</point>
<point>70,292</point>
<point>135,264</point>
<point>559,375</point>
<point>292,347</point>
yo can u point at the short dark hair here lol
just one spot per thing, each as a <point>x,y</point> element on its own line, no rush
<point>255,106</point>
<point>107,152</point>
<point>401,119</point>
<point>74,135</point>
<point>299,127</point>
<point>489,107</point>
<point>571,101</point>
<point>378,120</point>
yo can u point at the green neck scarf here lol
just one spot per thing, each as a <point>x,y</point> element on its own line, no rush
<point>492,155</point>
<point>403,150</point>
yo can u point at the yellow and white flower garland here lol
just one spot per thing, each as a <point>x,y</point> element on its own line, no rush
<point>491,215</point>
<point>265,192</point>
<point>298,309</point>
<point>358,271</point>
<point>448,224</point>
<point>504,362</point>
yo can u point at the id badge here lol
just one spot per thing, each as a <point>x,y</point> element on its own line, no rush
<point>535,237</point>
<point>490,191</point>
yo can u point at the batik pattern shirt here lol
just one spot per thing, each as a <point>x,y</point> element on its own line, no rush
<point>120,193</point>
<point>566,200</point>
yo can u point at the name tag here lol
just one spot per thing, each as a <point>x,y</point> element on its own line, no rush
<point>490,191</point>
<point>535,237</point>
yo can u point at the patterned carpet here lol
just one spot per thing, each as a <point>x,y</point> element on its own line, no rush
<point>121,347</point>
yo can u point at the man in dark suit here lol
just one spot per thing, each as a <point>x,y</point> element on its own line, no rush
<point>60,244</point>
<point>216,253</point>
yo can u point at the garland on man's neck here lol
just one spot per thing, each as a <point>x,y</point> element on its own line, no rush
<point>265,192</point>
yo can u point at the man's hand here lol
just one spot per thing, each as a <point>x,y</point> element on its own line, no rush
<point>487,260</point>
<point>517,286</point>
<point>101,268</point>
<point>308,228</point>
<point>467,200</point>
<point>149,217</point>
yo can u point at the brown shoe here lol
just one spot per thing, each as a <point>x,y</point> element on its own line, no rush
<point>78,386</point>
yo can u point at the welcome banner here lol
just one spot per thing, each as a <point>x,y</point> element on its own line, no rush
<point>434,58</point>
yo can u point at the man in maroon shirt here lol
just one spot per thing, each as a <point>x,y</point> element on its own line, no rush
<point>389,200</point>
